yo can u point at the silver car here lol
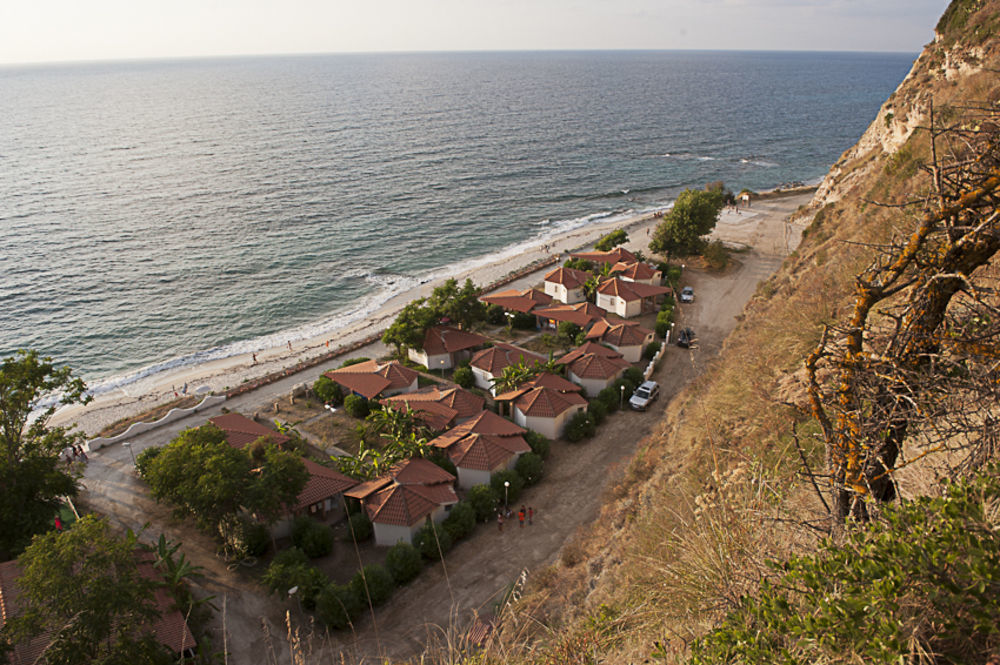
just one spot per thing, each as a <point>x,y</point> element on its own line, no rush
<point>643,395</point>
<point>687,294</point>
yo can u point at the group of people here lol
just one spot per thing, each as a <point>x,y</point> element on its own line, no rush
<point>522,514</point>
<point>75,453</point>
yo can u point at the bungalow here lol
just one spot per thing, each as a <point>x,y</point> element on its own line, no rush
<point>513,300</point>
<point>628,299</point>
<point>445,347</point>
<point>321,498</point>
<point>478,456</point>
<point>439,407</point>
<point>240,431</point>
<point>399,503</point>
<point>638,272</point>
<point>566,285</point>
<point>594,367</point>
<point>627,338</point>
<point>582,314</point>
<point>486,422</point>
<point>170,629</point>
<point>543,380</point>
<point>489,363</point>
<point>372,378</point>
<point>547,411</point>
<point>616,255</point>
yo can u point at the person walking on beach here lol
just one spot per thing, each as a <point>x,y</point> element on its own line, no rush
<point>254,355</point>
<point>289,345</point>
<point>520,517</point>
<point>531,515</point>
<point>184,390</point>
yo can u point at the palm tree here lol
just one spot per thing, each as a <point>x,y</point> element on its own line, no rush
<point>512,376</point>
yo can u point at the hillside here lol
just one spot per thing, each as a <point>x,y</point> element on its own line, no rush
<point>722,486</point>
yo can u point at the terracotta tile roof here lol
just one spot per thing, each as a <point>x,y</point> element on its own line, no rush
<point>418,471</point>
<point>441,493</point>
<point>484,452</point>
<point>240,431</point>
<point>323,483</point>
<point>619,334</point>
<point>367,385</point>
<point>399,375</point>
<point>399,505</point>
<point>584,349</point>
<point>170,629</point>
<point>500,355</point>
<point>582,314</point>
<point>465,403</point>
<point>518,301</point>
<point>635,271</point>
<point>370,378</point>
<point>486,422</point>
<point>546,380</point>
<point>547,403</point>
<point>434,415</point>
<point>630,291</point>
<point>568,277</point>
<point>445,339</point>
<point>367,488</point>
<point>616,255</point>
<point>594,366</point>
<point>449,404</point>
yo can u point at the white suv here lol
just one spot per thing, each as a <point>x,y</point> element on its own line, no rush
<point>643,395</point>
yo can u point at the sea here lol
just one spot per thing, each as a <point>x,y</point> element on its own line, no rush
<point>155,214</point>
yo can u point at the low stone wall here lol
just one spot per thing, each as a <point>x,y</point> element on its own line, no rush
<point>139,428</point>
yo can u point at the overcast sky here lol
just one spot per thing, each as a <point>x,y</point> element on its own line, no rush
<point>61,30</point>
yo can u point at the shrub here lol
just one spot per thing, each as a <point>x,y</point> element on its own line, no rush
<point>610,397</point>
<point>665,316</point>
<point>581,426</point>
<point>716,255</point>
<point>378,582</point>
<point>311,537</point>
<point>524,321</point>
<point>611,240</point>
<point>598,412</point>
<point>651,350</point>
<point>495,315</point>
<point>516,485</point>
<point>429,538</point>
<point>539,443</point>
<point>328,390</point>
<point>357,406</point>
<point>337,605</point>
<point>634,376</point>
<point>403,562</point>
<point>353,361</point>
<point>256,538</point>
<point>568,330</point>
<point>464,377</point>
<point>530,467</point>
<point>661,329</point>
<point>460,521</point>
<point>579,264</point>
<point>290,568</point>
<point>483,500</point>
<point>360,526</point>
<point>143,459</point>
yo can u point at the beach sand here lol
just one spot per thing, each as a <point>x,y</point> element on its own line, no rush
<point>226,373</point>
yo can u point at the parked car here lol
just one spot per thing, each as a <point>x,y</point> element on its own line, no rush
<point>687,294</point>
<point>643,395</point>
<point>685,338</point>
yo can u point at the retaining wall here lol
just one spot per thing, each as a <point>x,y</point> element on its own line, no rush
<point>139,428</point>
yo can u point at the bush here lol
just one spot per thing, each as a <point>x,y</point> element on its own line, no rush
<point>598,412</point>
<point>581,426</point>
<point>464,377</point>
<point>665,316</point>
<point>611,240</point>
<point>290,568</point>
<point>143,459</point>
<point>531,468</point>
<point>661,329</point>
<point>357,406</point>
<point>403,562</point>
<point>524,321</point>
<point>579,264</point>
<point>256,538</point>
<point>429,538</point>
<point>378,581</point>
<point>460,521</point>
<point>539,443</point>
<point>495,315</point>
<point>483,500</point>
<point>353,361</point>
<point>360,526</point>
<point>634,376</point>
<point>716,255</point>
<point>516,485</point>
<point>311,537</point>
<point>328,390</point>
<point>651,350</point>
<point>337,605</point>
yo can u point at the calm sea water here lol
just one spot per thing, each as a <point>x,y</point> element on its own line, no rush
<point>161,213</point>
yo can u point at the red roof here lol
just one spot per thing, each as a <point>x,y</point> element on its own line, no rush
<point>399,505</point>
<point>582,314</point>
<point>635,271</point>
<point>547,403</point>
<point>518,301</point>
<point>616,255</point>
<point>461,403</point>
<point>619,334</point>
<point>324,483</point>
<point>568,277</point>
<point>485,452</point>
<point>367,488</point>
<point>240,431</point>
<point>366,385</point>
<point>584,349</point>
<point>544,380</point>
<point>445,339</point>
<point>486,422</point>
<point>630,291</point>
<point>370,378</point>
<point>594,366</point>
<point>434,415</point>
<point>418,471</point>
<point>410,491</point>
<point>500,355</point>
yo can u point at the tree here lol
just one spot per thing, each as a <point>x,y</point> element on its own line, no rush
<point>357,406</point>
<point>328,390</point>
<point>374,583</point>
<point>464,377</point>
<point>410,326</point>
<point>611,240</point>
<point>403,562</point>
<point>30,473</point>
<point>311,537</point>
<point>461,305</point>
<point>276,484</point>
<point>290,569</point>
<point>483,500</point>
<point>914,371</point>
<point>512,376</point>
<point>694,215</point>
<point>530,467</point>
<point>511,493</point>
<point>82,589</point>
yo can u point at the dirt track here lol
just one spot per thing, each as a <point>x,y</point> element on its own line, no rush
<point>481,567</point>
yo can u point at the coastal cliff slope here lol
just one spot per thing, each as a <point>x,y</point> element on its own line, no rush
<point>720,487</point>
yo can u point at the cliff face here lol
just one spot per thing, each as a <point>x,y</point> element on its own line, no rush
<point>720,488</point>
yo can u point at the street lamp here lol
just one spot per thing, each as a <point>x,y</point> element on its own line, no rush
<point>292,592</point>
<point>621,402</point>
<point>506,486</point>
<point>128,444</point>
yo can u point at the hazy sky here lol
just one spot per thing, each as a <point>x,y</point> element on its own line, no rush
<point>57,30</point>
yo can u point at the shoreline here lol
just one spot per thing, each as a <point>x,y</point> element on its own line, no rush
<point>239,373</point>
